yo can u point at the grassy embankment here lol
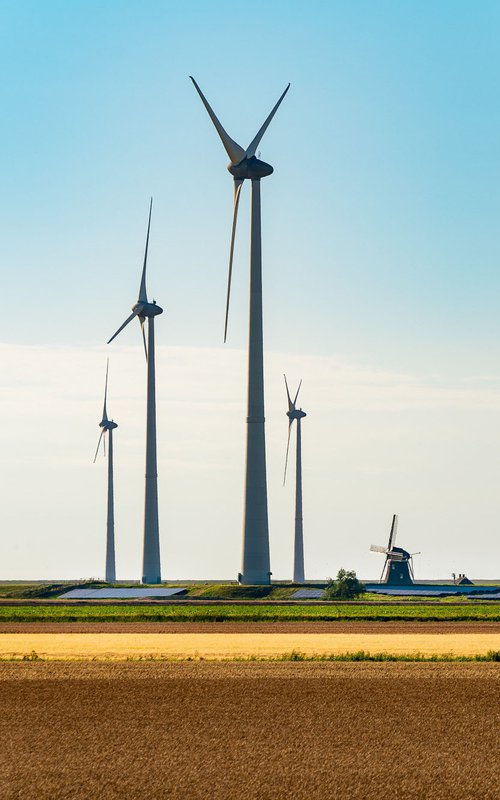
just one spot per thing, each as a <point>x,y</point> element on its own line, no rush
<point>206,591</point>
<point>198,591</point>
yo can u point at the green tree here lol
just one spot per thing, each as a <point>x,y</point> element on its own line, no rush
<point>344,587</point>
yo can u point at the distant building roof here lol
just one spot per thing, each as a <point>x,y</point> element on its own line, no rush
<point>307,594</point>
<point>411,592</point>
<point>432,591</point>
<point>120,594</point>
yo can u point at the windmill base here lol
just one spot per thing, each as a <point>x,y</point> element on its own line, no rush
<point>397,573</point>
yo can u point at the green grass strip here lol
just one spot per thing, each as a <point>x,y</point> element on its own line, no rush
<point>294,655</point>
<point>239,613</point>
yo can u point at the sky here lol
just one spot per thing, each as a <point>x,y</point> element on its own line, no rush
<point>381,280</point>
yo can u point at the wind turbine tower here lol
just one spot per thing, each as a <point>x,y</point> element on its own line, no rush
<point>243,165</point>
<point>107,426</point>
<point>143,309</point>
<point>297,414</point>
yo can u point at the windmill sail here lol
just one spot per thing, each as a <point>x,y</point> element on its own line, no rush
<point>376,548</point>
<point>394,530</point>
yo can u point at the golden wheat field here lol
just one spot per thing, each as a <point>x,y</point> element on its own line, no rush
<point>239,645</point>
<point>248,731</point>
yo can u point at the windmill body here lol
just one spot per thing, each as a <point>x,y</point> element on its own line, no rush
<point>143,309</point>
<point>107,427</point>
<point>244,165</point>
<point>296,414</point>
<point>398,566</point>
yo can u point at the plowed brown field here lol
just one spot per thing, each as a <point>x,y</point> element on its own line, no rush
<point>189,731</point>
<point>342,626</point>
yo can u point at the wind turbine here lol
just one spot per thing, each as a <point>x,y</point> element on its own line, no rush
<point>244,165</point>
<point>295,413</point>
<point>143,309</point>
<point>107,426</point>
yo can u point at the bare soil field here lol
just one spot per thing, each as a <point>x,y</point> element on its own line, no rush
<point>340,626</point>
<point>246,731</point>
<point>121,646</point>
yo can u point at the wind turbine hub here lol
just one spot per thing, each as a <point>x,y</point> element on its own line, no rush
<point>147,309</point>
<point>251,168</point>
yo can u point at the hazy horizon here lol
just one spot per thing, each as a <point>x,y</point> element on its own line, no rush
<point>374,443</point>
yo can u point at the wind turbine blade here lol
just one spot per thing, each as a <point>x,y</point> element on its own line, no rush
<point>290,404</point>
<point>252,147</point>
<point>287,449</point>
<point>394,530</point>
<point>99,444</point>
<point>238,183</point>
<point>233,149</point>
<point>129,319</point>
<point>104,412</point>
<point>385,564</point>
<point>143,298</point>
<point>297,394</point>
<point>376,548</point>
<point>141,320</point>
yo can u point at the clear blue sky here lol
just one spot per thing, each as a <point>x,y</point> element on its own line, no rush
<point>380,221</point>
<point>380,226</point>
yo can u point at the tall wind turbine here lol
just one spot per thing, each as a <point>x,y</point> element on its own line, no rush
<point>243,165</point>
<point>295,413</point>
<point>143,309</point>
<point>107,426</point>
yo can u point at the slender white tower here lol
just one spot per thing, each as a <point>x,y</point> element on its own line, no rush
<point>143,309</point>
<point>297,414</point>
<point>108,426</point>
<point>244,165</point>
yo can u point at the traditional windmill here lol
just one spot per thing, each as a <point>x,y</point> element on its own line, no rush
<point>398,567</point>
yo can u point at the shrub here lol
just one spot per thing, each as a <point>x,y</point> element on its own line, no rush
<point>344,587</point>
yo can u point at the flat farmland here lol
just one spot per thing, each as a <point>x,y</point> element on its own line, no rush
<point>249,730</point>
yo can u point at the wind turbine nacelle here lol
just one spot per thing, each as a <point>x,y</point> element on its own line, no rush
<point>296,414</point>
<point>108,424</point>
<point>251,168</point>
<point>147,309</point>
